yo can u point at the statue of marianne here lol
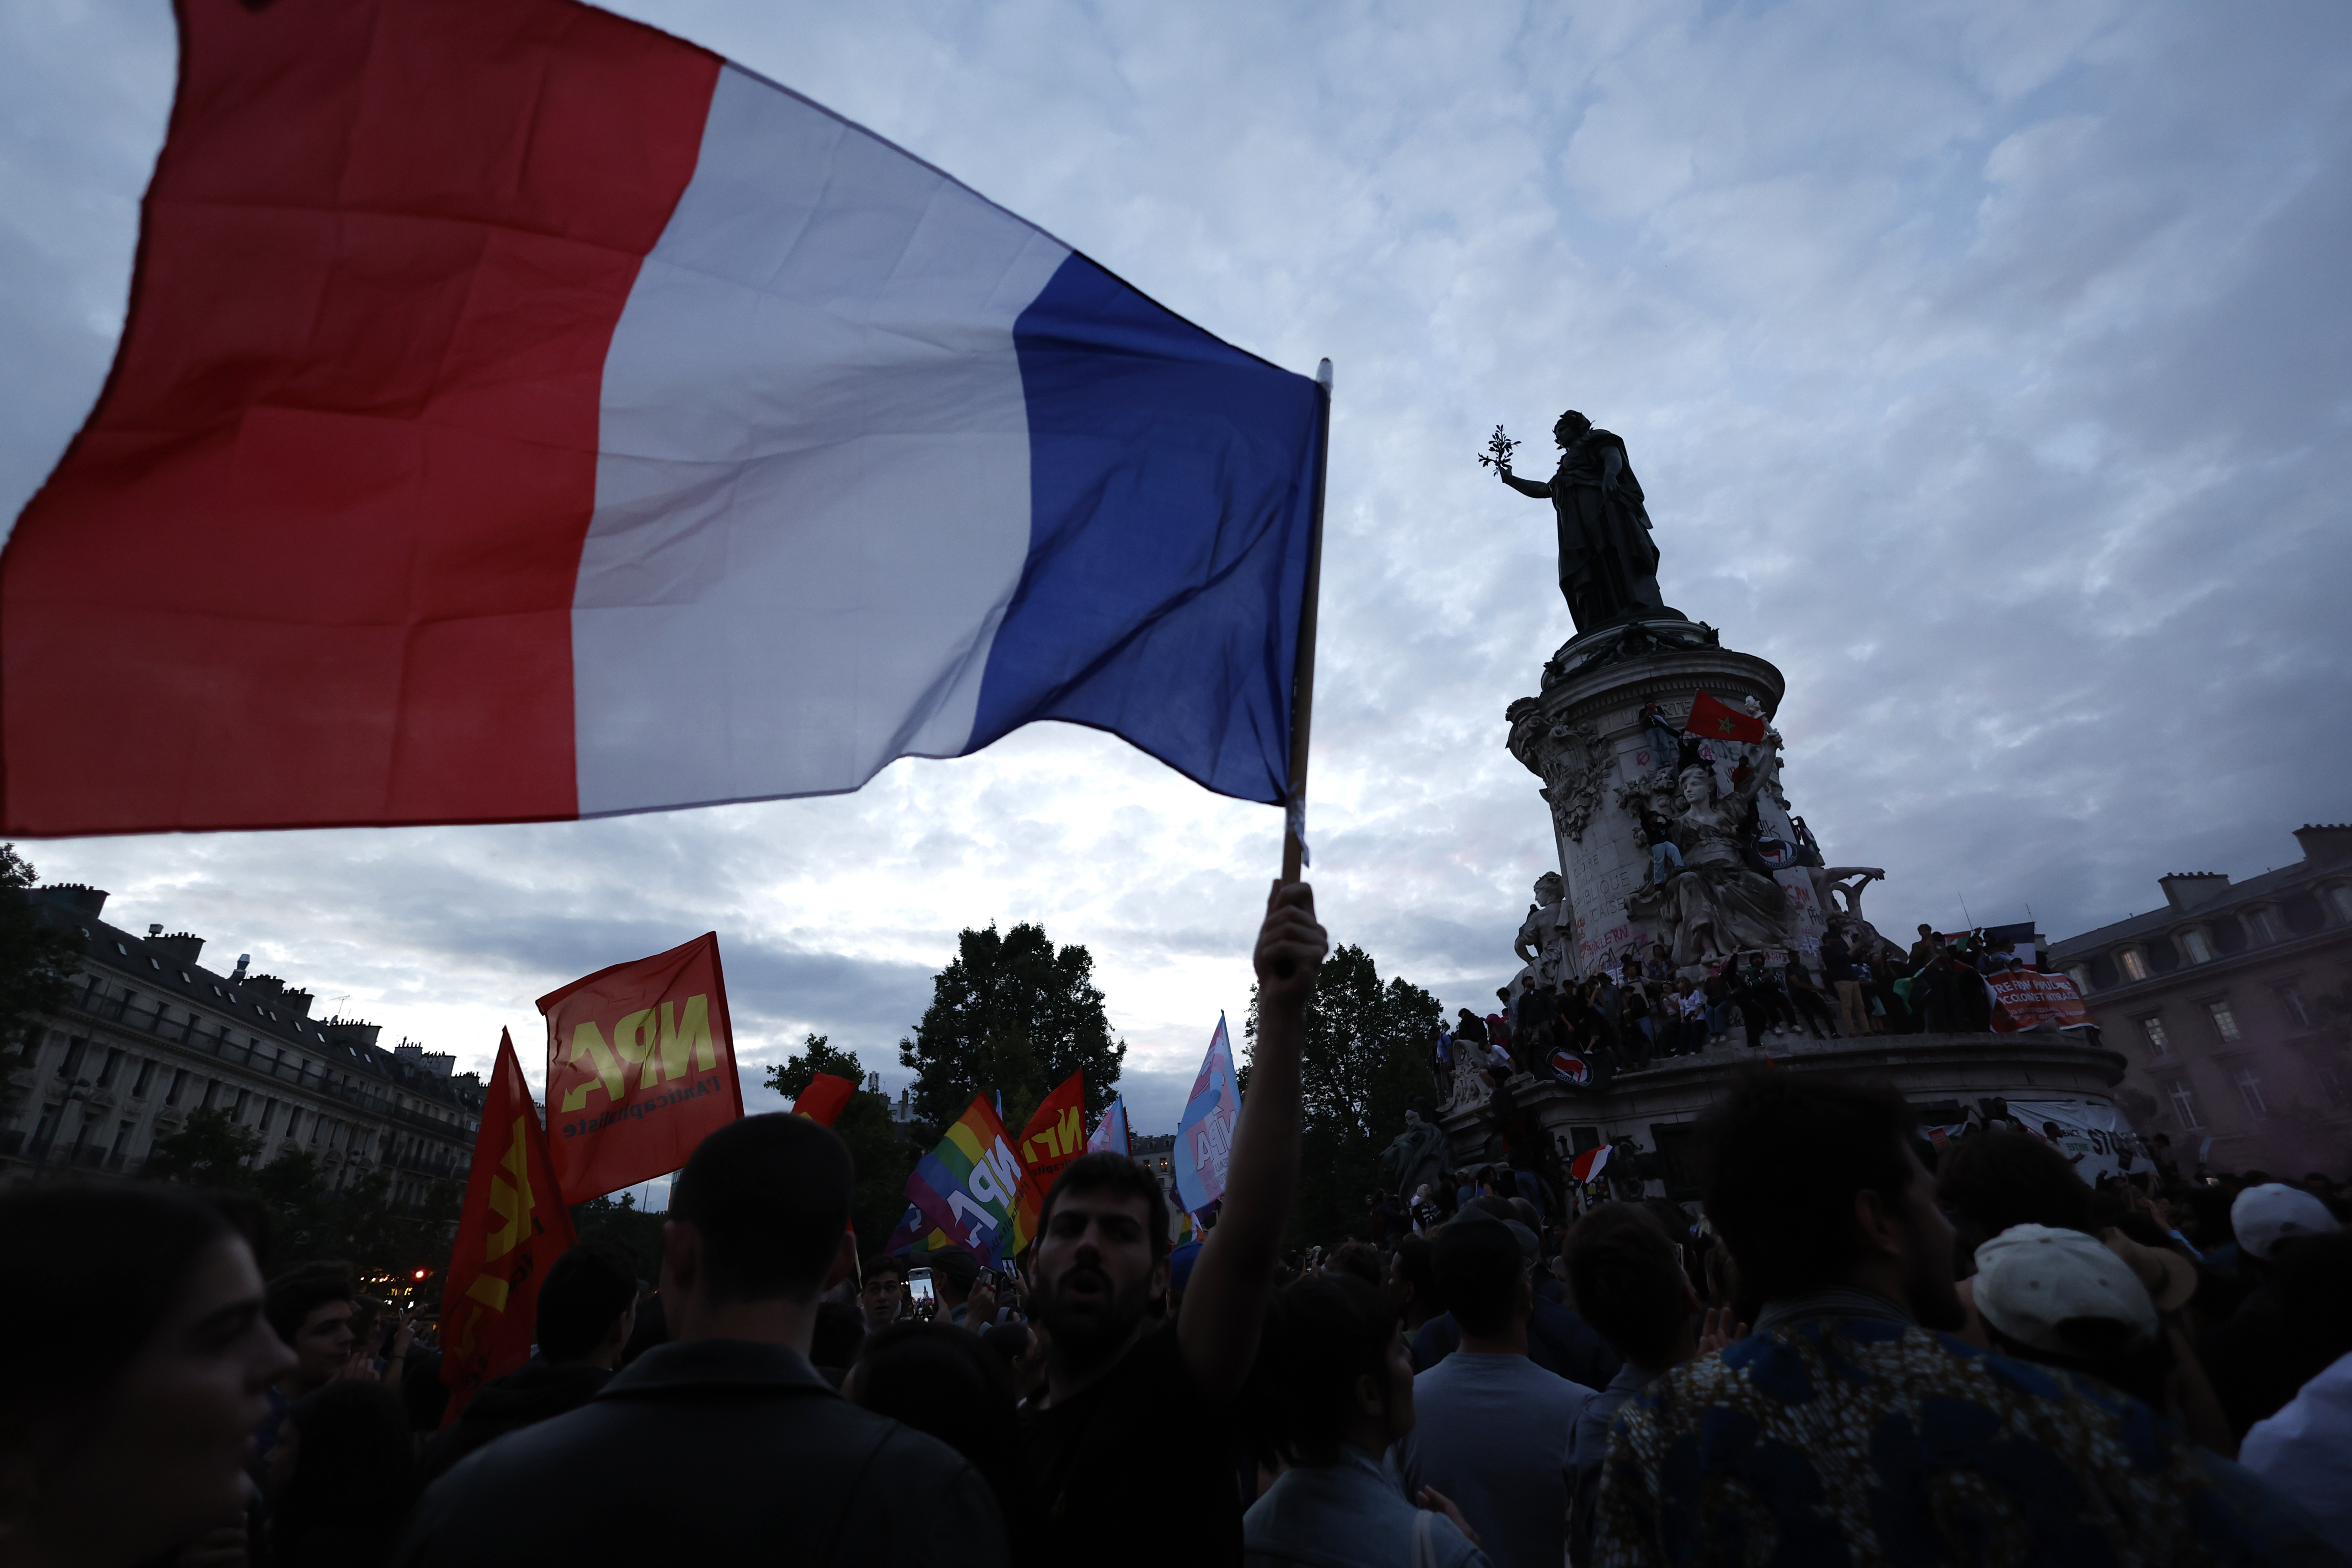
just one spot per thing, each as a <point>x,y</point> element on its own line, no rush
<point>1608,562</point>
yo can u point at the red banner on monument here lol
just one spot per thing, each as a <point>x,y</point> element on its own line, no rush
<point>2026,999</point>
<point>512,1228</point>
<point>640,1068</point>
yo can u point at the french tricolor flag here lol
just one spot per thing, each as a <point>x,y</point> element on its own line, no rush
<point>525,414</point>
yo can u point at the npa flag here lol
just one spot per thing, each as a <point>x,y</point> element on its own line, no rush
<point>1204,1135</point>
<point>824,1098</point>
<point>1591,1162</point>
<point>513,1226</point>
<point>1715,722</point>
<point>640,1068</point>
<point>1111,1132</point>
<point>524,415</point>
<point>1052,1138</point>
<point>970,1192</point>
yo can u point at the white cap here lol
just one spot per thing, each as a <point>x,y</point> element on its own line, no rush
<point>2265,1215</point>
<point>2032,1278</point>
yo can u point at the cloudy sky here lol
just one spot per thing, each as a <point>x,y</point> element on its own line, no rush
<point>1985,364</point>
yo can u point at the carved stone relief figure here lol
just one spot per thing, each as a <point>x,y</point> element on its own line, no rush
<point>1567,757</point>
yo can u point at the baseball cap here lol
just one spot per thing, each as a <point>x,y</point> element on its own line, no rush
<point>2035,1284</point>
<point>2265,1215</point>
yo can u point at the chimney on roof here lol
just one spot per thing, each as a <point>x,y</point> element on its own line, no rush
<point>74,898</point>
<point>180,947</point>
<point>2324,843</point>
<point>154,930</point>
<point>296,1002</point>
<point>350,1033</point>
<point>2186,891</point>
<point>242,960</point>
<point>266,984</point>
<point>438,1063</point>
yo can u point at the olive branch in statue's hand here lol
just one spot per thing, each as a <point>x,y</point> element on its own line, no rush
<point>1498,455</point>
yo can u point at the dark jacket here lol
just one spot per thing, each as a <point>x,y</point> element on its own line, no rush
<point>710,1452</point>
<point>532,1393</point>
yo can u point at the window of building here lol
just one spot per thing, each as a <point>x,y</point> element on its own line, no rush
<point>212,1093</point>
<point>179,1082</point>
<point>318,1127</point>
<point>2250,1089</point>
<point>2263,924</point>
<point>122,1143</point>
<point>2184,1103</point>
<point>45,1131</point>
<point>2331,1087</point>
<point>2342,898</point>
<point>76,1050</point>
<point>2158,1044</point>
<point>2134,963</point>
<point>2194,944</point>
<point>243,1098</point>
<point>145,1080</point>
<point>293,1121</point>
<point>2225,1022</point>
<point>2298,1011</point>
<point>113,1064</point>
<point>2081,975</point>
<point>269,1111</point>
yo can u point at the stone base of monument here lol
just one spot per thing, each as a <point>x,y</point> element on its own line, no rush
<point>1941,1076</point>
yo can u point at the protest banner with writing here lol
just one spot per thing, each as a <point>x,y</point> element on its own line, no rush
<point>2095,1137</point>
<point>512,1228</point>
<point>1054,1135</point>
<point>2026,998</point>
<point>969,1192</point>
<point>640,1068</point>
<point>1204,1136</point>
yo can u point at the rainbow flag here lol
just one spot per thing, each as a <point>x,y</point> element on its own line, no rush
<point>970,1192</point>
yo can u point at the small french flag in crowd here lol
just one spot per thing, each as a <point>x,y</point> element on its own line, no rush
<point>525,414</point>
<point>1591,1162</point>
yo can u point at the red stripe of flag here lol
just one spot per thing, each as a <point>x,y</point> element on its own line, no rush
<point>326,518</point>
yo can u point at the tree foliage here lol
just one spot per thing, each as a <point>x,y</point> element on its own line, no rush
<point>1364,1062</point>
<point>37,958</point>
<point>635,1231</point>
<point>881,1156</point>
<point>1010,1014</point>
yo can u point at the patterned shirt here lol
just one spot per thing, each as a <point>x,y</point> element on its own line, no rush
<point>1849,1440</point>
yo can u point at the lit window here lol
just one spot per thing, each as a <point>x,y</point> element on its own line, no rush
<point>2158,1044</point>
<point>2193,943</point>
<point>2250,1089</point>
<point>2291,998</point>
<point>2081,975</point>
<point>2342,898</point>
<point>2225,1022</point>
<point>2262,924</point>
<point>2135,967</point>
<point>2184,1103</point>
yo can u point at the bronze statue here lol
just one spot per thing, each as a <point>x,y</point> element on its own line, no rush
<point>1608,563</point>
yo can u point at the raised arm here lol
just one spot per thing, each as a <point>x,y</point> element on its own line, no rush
<point>1226,1304</point>
<point>1536,488</point>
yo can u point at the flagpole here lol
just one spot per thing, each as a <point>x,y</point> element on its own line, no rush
<point>1302,680</point>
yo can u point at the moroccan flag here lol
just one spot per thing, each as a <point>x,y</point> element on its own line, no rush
<point>1053,1137</point>
<point>1591,1162</point>
<point>824,1098</point>
<point>640,1068</point>
<point>506,379</point>
<point>1111,1132</point>
<point>1713,721</point>
<point>970,1192</point>
<point>514,1225</point>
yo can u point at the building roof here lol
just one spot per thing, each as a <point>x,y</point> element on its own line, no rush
<point>2254,889</point>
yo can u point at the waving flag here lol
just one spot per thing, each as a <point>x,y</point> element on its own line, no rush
<point>1204,1136</point>
<point>1587,1166</point>
<point>826,1095</point>
<point>512,1228</point>
<point>1052,1138</point>
<point>522,414</point>
<point>971,1192</point>
<point>1111,1132</point>
<point>1717,721</point>
<point>640,1068</point>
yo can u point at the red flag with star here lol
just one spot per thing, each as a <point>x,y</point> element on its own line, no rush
<point>511,1230</point>
<point>1711,720</point>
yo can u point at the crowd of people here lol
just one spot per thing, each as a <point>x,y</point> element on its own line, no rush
<point>1642,1009</point>
<point>1862,1347</point>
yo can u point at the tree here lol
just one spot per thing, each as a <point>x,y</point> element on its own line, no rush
<point>211,1150</point>
<point>1010,1014</point>
<point>38,959</point>
<point>1363,1063</point>
<point>880,1156</point>
<point>635,1231</point>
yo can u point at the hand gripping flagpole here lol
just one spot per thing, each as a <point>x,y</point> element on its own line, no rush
<point>1302,680</point>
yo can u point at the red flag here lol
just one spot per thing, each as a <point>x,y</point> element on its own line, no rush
<point>1591,1162</point>
<point>1712,720</point>
<point>824,1098</point>
<point>1056,1134</point>
<point>513,1226</point>
<point>640,1068</point>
